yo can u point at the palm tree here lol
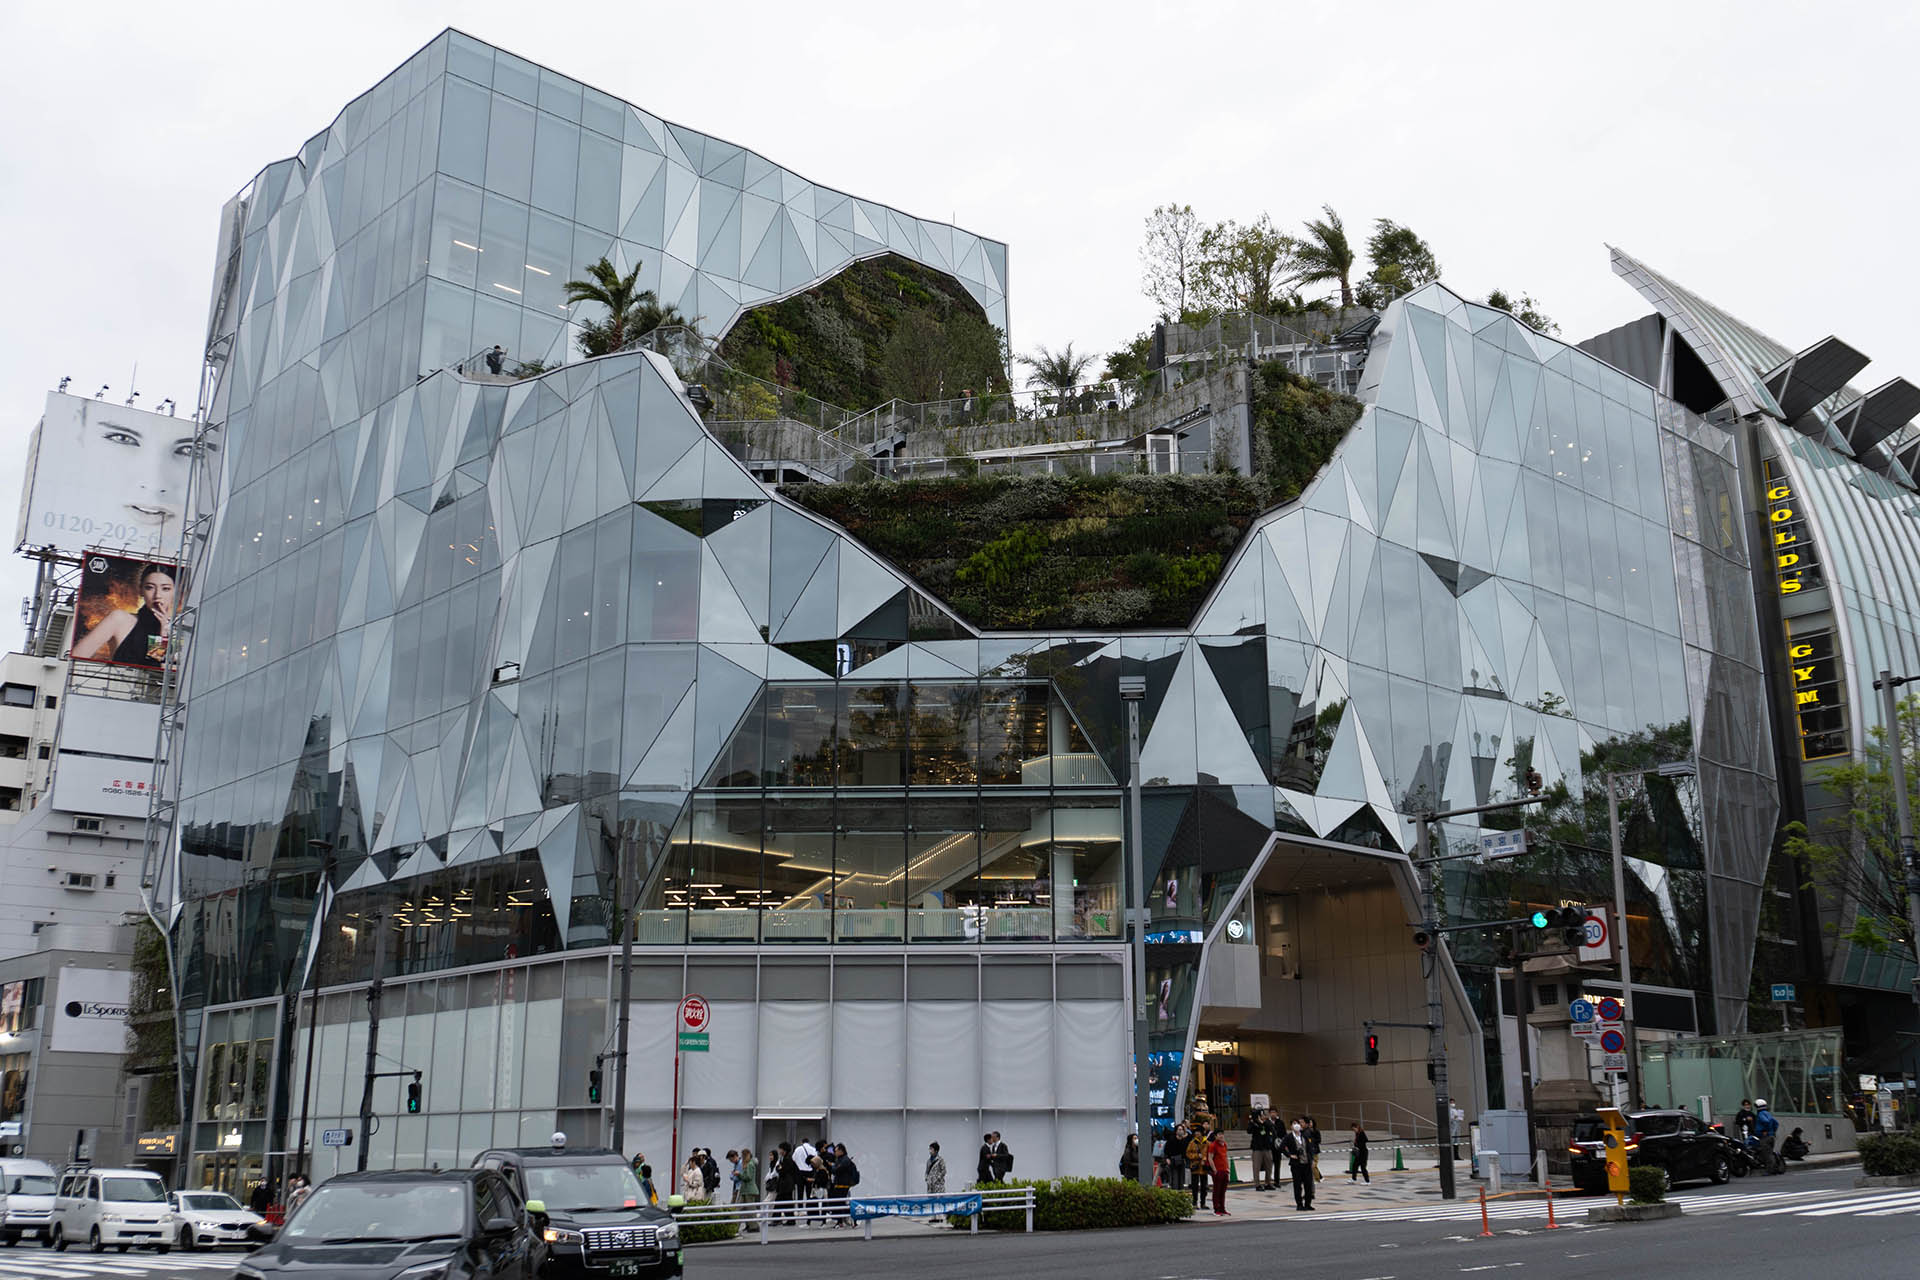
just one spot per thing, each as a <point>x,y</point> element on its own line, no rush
<point>1326,255</point>
<point>1058,371</point>
<point>632,312</point>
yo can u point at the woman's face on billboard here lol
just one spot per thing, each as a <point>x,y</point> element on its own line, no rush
<point>141,456</point>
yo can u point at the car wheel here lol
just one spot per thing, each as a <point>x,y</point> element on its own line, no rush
<point>123,1247</point>
<point>187,1241</point>
<point>162,1248</point>
<point>10,1238</point>
<point>1722,1171</point>
<point>58,1240</point>
<point>94,1243</point>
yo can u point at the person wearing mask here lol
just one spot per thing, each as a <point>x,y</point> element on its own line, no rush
<point>1293,1145</point>
<point>1130,1159</point>
<point>1260,1136</point>
<point>1217,1170</point>
<point>1357,1162</point>
<point>845,1177</point>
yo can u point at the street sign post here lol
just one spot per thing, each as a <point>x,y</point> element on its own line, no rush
<point>696,1015</point>
<point>1608,1009</point>
<point>1582,1011</point>
<point>336,1137</point>
<point>1783,993</point>
<point>693,1042</point>
<point>1596,938</point>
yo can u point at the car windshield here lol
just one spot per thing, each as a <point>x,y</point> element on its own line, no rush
<point>208,1200</point>
<point>136,1190</point>
<point>32,1185</point>
<point>575,1187</point>
<point>1656,1125</point>
<point>338,1212</point>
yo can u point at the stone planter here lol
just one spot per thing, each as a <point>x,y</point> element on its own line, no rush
<point>1633,1212</point>
<point>1889,1180</point>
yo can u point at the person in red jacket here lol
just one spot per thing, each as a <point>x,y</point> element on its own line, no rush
<point>1217,1165</point>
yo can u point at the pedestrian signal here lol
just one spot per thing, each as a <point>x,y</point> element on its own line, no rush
<point>413,1095</point>
<point>593,1086</point>
<point>1373,1049</point>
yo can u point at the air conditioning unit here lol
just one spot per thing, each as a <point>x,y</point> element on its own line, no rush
<point>88,824</point>
<point>85,881</point>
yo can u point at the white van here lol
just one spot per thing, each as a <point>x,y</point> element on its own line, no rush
<point>118,1207</point>
<point>26,1199</point>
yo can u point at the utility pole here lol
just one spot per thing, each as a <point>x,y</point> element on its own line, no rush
<point>1903,808</point>
<point>1620,941</point>
<point>373,1036</point>
<point>623,911</point>
<point>1132,690</point>
<point>1436,1014</point>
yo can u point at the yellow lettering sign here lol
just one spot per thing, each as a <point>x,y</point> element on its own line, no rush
<point>1782,538</point>
<point>1807,697</point>
<point>1789,586</point>
<point>1787,559</point>
<point>1800,651</point>
<point>1779,492</point>
<point>1803,673</point>
<point>1780,514</point>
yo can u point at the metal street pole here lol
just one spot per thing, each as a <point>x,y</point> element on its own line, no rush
<point>625,899</point>
<point>1132,690</point>
<point>1436,1017</point>
<point>1620,939</point>
<point>1903,807</point>
<point>373,1036</point>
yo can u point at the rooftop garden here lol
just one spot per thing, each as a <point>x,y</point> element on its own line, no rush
<point>1027,552</point>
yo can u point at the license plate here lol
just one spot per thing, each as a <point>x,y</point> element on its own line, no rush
<point>624,1267</point>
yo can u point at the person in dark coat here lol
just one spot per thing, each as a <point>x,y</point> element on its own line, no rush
<point>845,1176</point>
<point>262,1196</point>
<point>983,1169</point>
<point>1174,1153</point>
<point>1357,1162</point>
<point>1293,1145</point>
<point>1260,1136</point>
<point>1130,1158</point>
<point>1002,1159</point>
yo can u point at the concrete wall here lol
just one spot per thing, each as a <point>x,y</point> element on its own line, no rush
<point>1356,961</point>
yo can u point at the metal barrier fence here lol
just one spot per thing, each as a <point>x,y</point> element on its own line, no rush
<point>764,1215</point>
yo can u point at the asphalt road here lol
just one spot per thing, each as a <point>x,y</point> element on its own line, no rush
<point>1810,1225</point>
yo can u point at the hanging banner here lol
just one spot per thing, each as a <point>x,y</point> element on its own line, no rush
<point>124,611</point>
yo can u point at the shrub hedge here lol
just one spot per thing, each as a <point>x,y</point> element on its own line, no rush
<point>1081,1204</point>
<point>1647,1184</point>
<point>694,1231</point>
<point>1890,1155</point>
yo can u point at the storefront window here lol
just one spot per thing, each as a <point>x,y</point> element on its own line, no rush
<point>869,871</point>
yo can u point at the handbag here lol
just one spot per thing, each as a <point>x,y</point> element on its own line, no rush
<point>1316,1168</point>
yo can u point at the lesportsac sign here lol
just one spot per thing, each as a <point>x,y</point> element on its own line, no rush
<point>92,1011</point>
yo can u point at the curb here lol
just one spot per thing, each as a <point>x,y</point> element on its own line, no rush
<point>1633,1212</point>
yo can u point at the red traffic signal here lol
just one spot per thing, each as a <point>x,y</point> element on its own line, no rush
<point>1373,1049</point>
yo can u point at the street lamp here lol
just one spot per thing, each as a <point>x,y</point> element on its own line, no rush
<point>1673,769</point>
<point>1133,690</point>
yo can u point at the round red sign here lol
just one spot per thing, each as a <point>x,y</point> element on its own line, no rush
<point>1609,1009</point>
<point>694,1013</point>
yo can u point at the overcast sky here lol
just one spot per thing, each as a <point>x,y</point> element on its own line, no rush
<point>1762,153</point>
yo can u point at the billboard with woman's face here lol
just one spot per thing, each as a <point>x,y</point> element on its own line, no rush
<point>105,475</point>
<point>125,608</point>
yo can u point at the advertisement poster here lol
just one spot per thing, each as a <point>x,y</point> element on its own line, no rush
<point>89,1011</point>
<point>124,610</point>
<point>105,475</point>
<point>108,787</point>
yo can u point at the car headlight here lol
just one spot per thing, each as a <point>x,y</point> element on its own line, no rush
<point>670,1235</point>
<point>109,1217</point>
<point>560,1235</point>
<point>247,1273</point>
<point>426,1271</point>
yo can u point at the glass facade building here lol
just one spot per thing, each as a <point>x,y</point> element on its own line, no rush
<point>472,662</point>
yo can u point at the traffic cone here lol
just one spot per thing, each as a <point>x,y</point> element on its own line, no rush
<point>1399,1164</point>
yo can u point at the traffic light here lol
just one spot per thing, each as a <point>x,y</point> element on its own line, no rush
<point>1571,921</point>
<point>413,1095</point>
<point>1373,1049</point>
<point>593,1086</point>
<point>1534,782</point>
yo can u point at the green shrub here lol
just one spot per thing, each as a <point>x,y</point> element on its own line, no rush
<point>1890,1155</point>
<point>694,1231</point>
<point>1647,1184</point>
<point>1082,1204</point>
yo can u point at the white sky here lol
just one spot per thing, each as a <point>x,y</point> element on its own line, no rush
<point>1761,153</point>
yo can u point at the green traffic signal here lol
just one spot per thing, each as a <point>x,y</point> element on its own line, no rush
<point>1540,920</point>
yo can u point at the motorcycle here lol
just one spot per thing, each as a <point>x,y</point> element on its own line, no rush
<point>1743,1156</point>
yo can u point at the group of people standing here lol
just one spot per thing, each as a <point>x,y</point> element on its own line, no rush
<point>1195,1157</point>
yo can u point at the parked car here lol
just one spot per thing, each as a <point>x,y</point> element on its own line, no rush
<point>1676,1141</point>
<point>594,1218</point>
<point>212,1218</point>
<point>118,1207</point>
<point>405,1222</point>
<point>26,1199</point>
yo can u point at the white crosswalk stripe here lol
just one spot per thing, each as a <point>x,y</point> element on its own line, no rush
<point>27,1263</point>
<point>1819,1203</point>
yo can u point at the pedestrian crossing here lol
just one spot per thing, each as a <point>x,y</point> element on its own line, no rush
<point>24,1262</point>
<point>1532,1210</point>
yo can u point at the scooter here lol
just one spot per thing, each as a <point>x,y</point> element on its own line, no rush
<point>1742,1159</point>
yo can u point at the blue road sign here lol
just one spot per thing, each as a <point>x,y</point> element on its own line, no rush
<point>336,1137</point>
<point>1783,991</point>
<point>1581,1010</point>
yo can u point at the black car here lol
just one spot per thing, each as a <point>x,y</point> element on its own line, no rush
<point>405,1225</point>
<point>1672,1140</point>
<point>597,1222</point>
